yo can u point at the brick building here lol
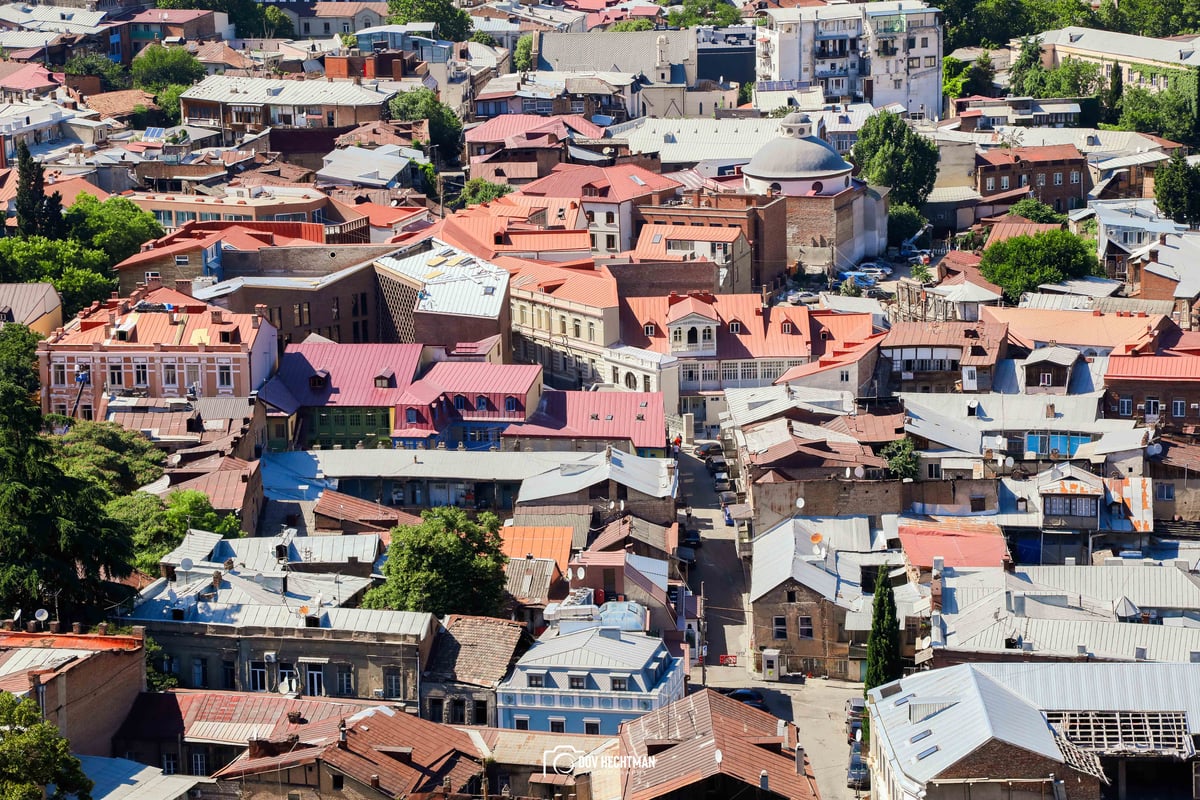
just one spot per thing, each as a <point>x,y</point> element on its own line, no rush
<point>727,248</point>
<point>754,214</point>
<point>943,356</point>
<point>1057,175</point>
<point>84,683</point>
<point>155,343</point>
<point>157,25</point>
<point>1159,390</point>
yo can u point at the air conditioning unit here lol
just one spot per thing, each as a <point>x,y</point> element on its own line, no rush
<point>378,693</point>
<point>269,657</point>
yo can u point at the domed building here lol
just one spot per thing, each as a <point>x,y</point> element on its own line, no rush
<point>832,217</point>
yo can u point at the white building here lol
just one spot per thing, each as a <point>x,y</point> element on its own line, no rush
<point>872,52</point>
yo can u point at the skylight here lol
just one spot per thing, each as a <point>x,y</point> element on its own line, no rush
<point>925,734</point>
<point>927,752</point>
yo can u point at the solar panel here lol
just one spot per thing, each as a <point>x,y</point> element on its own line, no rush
<point>155,133</point>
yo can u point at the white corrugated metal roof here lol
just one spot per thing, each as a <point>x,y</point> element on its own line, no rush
<point>453,281</point>
<point>594,648</point>
<point>650,476</point>
<point>27,658</point>
<point>686,141</point>
<point>121,779</point>
<point>267,91</point>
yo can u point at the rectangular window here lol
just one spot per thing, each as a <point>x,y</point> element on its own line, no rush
<point>392,685</point>
<point>1058,179</point>
<point>1074,176</point>
<point>610,242</point>
<point>181,261</point>
<point>141,376</point>
<point>535,681</point>
<point>258,676</point>
<point>779,627</point>
<point>578,682</point>
<point>1152,408</point>
<point>228,675</point>
<point>295,313</point>
<point>345,680</point>
<point>1041,179</point>
<point>844,376</point>
<point>990,184</point>
<point>521,723</point>
<point>1003,182</point>
<point>1125,406</point>
<point>314,683</point>
<point>225,376</point>
<point>591,727</point>
<point>1164,491</point>
<point>978,504</point>
<point>170,376</point>
<point>914,62</point>
<point>334,308</point>
<point>934,471</point>
<point>198,764</point>
<point>200,673</point>
<point>1178,408</point>
<point>558,726</point>
<point>620,684</point>
<point>806,627</point>
<point>116,375</point>
<point>931,61</point>
<point>170,764</point>
<point>59,373</point>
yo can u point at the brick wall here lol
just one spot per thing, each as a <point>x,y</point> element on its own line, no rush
<point>650,279</point>
<point>1166,392</point>
<point>825,497</point>
<point>89,699</point>
<point>449,329</point>
<point>823,652</point>
<point>999,760</point>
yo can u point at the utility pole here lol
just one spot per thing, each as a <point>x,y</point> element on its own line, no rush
<point>703,638</point>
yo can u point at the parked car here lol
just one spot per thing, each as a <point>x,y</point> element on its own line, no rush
<point>855,707</point>
<point>809,298</point>
<point>716,464</point>
<point>853,729</point>
<point>747,695</point>
<point>721,482</point>
<point>707,449</point>
<point>727,498</point>
<point>857,774</point>
<point>877,274</point>
<point>691,538</point>
<point>686,555</point>
<point>872,266</point>
<point>877,294</point>
<point>860,278</point>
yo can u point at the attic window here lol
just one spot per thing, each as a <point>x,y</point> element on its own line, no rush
<point>489,290</point>
<point>227,337</point>
<point>643,404</point>
<point>122,336</point>
<point>481,403</point>
<point>925,734</point>
<point>787,327</point>
<point>595,416</point>
<point>319,379</point>
<point>735,327</point>
<point>656,239</point>
<point>384,379</point>
<point>648,329</point>
<point>608,418</point>
<point>460,402</point>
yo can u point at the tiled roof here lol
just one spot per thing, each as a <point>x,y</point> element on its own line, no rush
<point>120,103</point>
<point>351,372</point>
<point>1153,368</point>
<point>618,184</point>
<point>552,542</point>
<point>71,187</point>
<point>246,236</point>
<point>339,506</point>
<point>870,428</point>
<point>388,216</point>
<point>963,548</point>
<point>1002,231</point>
<point>708,734</point>
<point>761,330</point>
<point>1035,154</point>
<point>31,78</point>
<point>980,342</point>
<point>1033,326</point>
<point>593,287</point>
<point>222,53</point>
<point>636,416</point>
<point>505,126</point>
<point>474,650</point>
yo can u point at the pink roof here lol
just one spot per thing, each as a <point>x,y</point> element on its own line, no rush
<point>1036,154</point>
<point>352,369</point>
<point>170,16</point>
<point>618,184</point>
<point>71,188</point>
<point>1125,334</point>
<point>29,78</point>
<point>1153,368</point>
<point>838,357</point>
<point>636,416</point>
<point>958,548</point>
<point>648,247</point>
<point>505,126</point>
<point>381,216</point>
<point>593,287</point>
<point>761,330</point>
<point>478,377</point>
<point>199,236</point>
<point>1002,231</point>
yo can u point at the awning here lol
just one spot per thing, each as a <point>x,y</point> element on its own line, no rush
<point>312,660</point>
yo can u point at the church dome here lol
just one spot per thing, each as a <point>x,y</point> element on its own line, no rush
<point>798,154</point>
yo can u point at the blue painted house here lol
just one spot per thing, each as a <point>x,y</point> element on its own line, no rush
<point>588,681</point>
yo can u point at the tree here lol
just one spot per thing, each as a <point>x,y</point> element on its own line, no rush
<point>478,190</point>
<point>1112,95</point>
<point>452,22</point>
<point>889,153</point>
<point>446,564</point>
<point>116,226</point>
<point>116,459</point>
<point>157,66</point>
<point>1035,210</point>
<point>1168,113</point>
<point>1023,263</point>
<point>904,221</point>
<point>18,357</point>
<point>113,76</point>
<point>279,25</point>
<point>850,288</point>
<point>34,755</point>
<point>626,25</point>
<point>704,12</point>
<point>167,98</point>
<point>157,680</point>
<point>78,273</point>
<point>901,458</point>
<point>445,128</point>
<point>158,527</point>
<point>1177,189</point>
<point>485,38</point>
<point>920,273</point>
<point>883,642</point>
<point>980,76</point>
<point>37,215</point>
<point>523,53</point>
<point>349,40</point>
<point>1029,60</point>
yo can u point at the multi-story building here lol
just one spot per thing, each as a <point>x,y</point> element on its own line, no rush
<point>257,204</point>
<point>1146,62</point>
<point>160,25</point>
<point>248,105</point>
<point>1057,175</point>
<point>943,356</point>
<point>588,681</point>
<point>155,343</point>
<point>724,246</point>
<point>586,93</point>
<point>611,198</point>
<point>879,55</point>
<point>1124,227</point>
<point>338,18</point>
<point>470,656</point>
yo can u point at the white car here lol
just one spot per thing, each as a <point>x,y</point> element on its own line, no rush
<point>876,273</point>
<point>872,266</point>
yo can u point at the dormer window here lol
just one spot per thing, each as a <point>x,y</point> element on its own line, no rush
<point>410,416</point>
<point>229,336</point>
<point>735,327</point>
<point>319,379</point>
<point>510,404</point>
<point>787,327</point>
<point>460,402</point>
<point>648,329</point>
<point>384,380</point>
<point>481,403</point>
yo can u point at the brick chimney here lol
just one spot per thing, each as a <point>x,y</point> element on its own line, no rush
<point>184,286</point>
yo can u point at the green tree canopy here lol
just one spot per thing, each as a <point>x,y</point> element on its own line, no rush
<point>78,273</point>
<point>478,190</point>
<point>1035,210</point>
<point>904,221</point>
<point>18,357</point>
<point>34,755</point>
<point>523,53</point>
<point>901,458</point>
<point>1023,263</point>
<point>116,459</point>
<point>1177,189</point>
<point>158,527</point>
<point>705,12</point>
<point>113,76</point>
<point>37,214</point>
<point>167,98</point>
<point>1167,113</point>
<point>446,564</point>
<point>485,38</point>
<point>278,24</point>
<point>889,153</point>
<point>965,80</point>
<point>642,24</point>
<point>251,19</point>
<point>157,66</point>
<point>445,128</point>
<point>884,663</point>
<point>116,226</point>
<point>452,22</point>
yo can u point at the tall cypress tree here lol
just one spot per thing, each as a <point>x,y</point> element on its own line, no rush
<point>1112,97</point>
<point>31,192</point>
<point>883,644</point>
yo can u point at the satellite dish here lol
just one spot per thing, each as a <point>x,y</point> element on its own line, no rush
<point>1154,449</point>
<point>820,551</point>
<point>717,756</point>
<point>579,573</point>
<point>799,502</point>
<point>1008,462</point>
<point>41,615</point>
<point>859,472</point>
<point>816,538</point>
<point>17,616</point>
<point>848,472</point>
<point>816,550</point>
<point>611,505</point>
<point>186,564</point>
<point>287,685</point>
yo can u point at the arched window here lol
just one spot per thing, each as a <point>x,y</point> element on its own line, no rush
<point>775,188</point>
<point>631,381</point>
<point>522,315</point>
<point>591,331</point>
<point>692,335</point>
<point>576,328</point>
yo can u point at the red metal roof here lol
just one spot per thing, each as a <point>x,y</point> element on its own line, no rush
<point>352,369</point>
<point>505,126</point>
<point>617,184</point>
<point>593,287</point>
<point>1153,368</point>
<point>479,377</point>
<point>1002,231</point>
<point>638,417</point>
<point>1035,154</point>
<point>959,548</point>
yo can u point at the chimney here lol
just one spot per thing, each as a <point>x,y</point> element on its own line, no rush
<point>56,627</point>
<point>374,781</point>
<point>217,316</point>
<point>102,629</point>
<point>184,286</point>
<point>1081,650</point>
<point>216,579</point>
<point>342,734</point>
<point>939,564</point>
<point>799,760</point>
<point>76,627</point>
